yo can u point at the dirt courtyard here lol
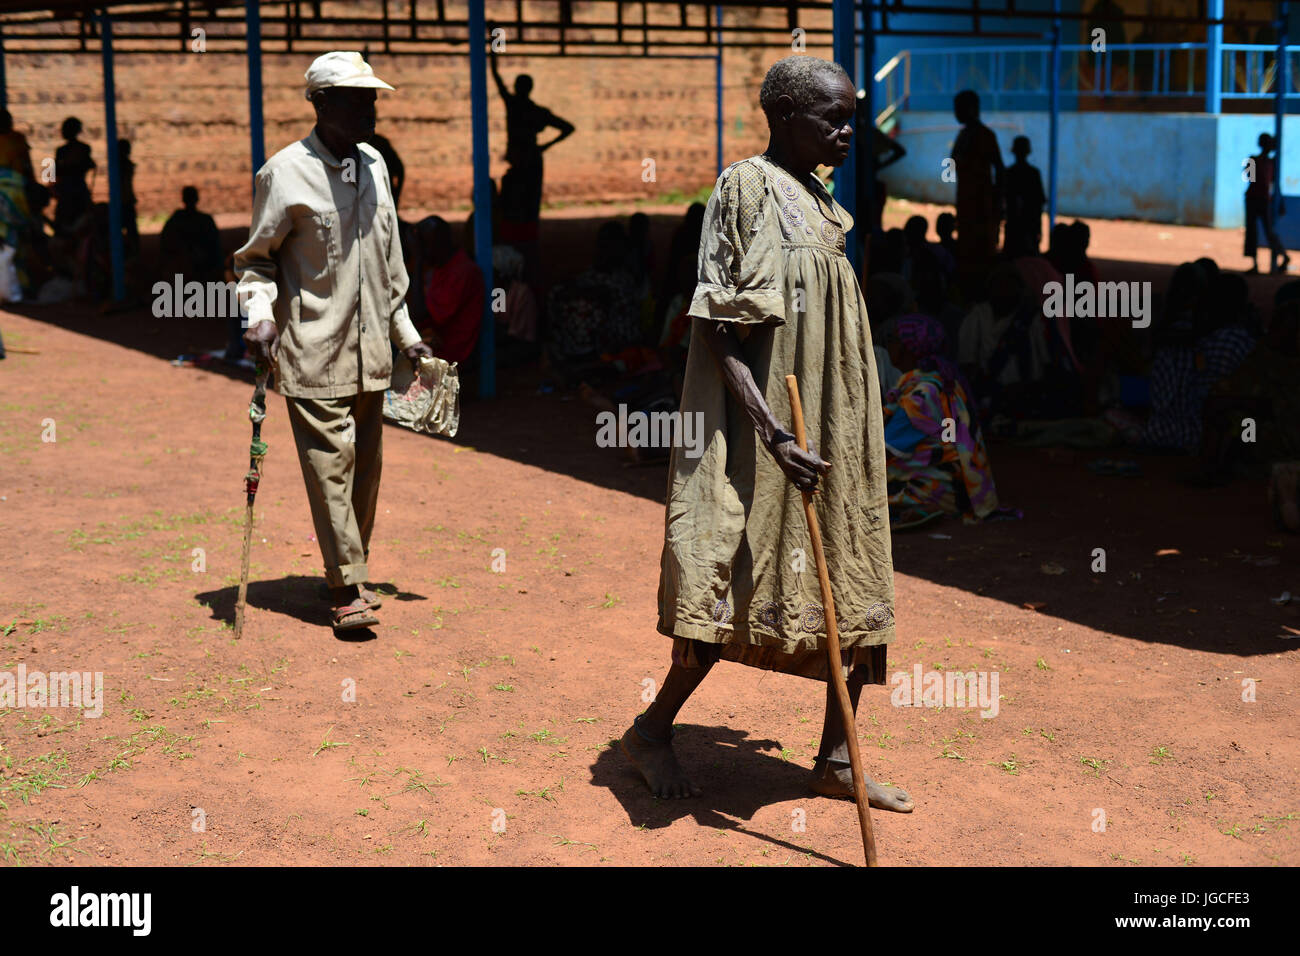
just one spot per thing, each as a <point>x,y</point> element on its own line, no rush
<point>476,727</point>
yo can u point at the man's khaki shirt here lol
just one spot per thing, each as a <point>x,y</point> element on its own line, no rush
<point>324,262</point>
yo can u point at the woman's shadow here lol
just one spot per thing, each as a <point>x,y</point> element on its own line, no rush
<point>739,776</point>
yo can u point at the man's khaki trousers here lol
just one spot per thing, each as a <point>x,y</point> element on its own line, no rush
<point>340,448</point>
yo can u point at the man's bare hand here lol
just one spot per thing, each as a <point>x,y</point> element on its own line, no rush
<point>418,351</point>
<point>263,339</point>
<point>803,468</point>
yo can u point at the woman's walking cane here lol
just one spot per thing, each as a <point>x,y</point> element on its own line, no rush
<point>834,661</point>
<point>256,452</point>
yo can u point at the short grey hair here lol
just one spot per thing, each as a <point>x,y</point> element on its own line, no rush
<point>797,77</point>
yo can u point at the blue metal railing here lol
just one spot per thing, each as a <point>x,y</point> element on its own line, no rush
<point>1010,77</point>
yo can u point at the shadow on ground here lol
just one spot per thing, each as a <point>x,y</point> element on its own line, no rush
<point>295,595</point>
<point>739,776</point>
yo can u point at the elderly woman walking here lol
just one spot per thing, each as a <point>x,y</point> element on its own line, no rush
<point>777,295</point>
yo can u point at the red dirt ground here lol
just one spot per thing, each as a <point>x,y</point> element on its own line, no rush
<point>490,696</point>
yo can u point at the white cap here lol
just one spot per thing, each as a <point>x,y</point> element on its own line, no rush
<point>341,69</point>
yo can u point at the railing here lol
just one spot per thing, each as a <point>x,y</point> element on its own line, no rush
<point>1018,77</point>
<point>895,87</point>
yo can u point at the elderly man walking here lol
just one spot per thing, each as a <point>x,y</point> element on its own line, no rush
<point>325,288</point>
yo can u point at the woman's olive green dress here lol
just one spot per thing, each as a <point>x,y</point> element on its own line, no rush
<point>738,579</point>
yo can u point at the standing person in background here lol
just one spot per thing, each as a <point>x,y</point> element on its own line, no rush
<point>979,168</point>
<point>396,168</point>
<point>1025,200</point>
<point>325,286</point>
<point>1259,209</point>
<point>525,121</point>
<point>876,151</point>
<point>127,172</point>
<point>72,163</point>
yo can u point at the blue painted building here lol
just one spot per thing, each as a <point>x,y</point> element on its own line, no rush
<point>1155,118</point>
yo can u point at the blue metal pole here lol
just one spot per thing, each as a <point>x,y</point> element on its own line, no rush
<point>487,384</point>
<point>1279,105</point>
<point>116,251</point>
<point>846,186</point>
<point>717,82</point>
<point>1214,58</point>
<point>868,145</point>
<point>256,125</point>
<point>1054,96</point>
<point>860,16</point>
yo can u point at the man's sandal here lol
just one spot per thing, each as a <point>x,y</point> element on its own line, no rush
<point>369,595</point>
<point>353,617</point>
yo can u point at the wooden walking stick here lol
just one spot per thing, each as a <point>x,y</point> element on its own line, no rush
<point>834,661</point>
<point>256,452</point>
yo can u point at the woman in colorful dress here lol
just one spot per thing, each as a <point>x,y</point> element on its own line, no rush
<point>937,461</point>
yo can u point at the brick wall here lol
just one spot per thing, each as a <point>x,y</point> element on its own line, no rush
<point>187,117</point>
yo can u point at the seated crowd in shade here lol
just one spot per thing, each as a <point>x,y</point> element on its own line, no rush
<point>997,362</point>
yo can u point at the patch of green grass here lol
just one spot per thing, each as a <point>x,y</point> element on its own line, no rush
<point>544,792</point>
<point>564,841</point>
<point>1280,821</point>
<point>206,855</point>
<point>327,744</point>
<point>415,781</point>
<point>1096,765</point>
<point>44,839</point>
<point>33,776</point>
<point>1011,765</point>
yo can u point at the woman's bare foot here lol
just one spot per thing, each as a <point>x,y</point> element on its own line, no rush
<point>658,765</point>
<point>837,781</point>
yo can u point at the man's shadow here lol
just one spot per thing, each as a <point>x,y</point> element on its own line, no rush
<point>297,595</point>
<point>738,776</point>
